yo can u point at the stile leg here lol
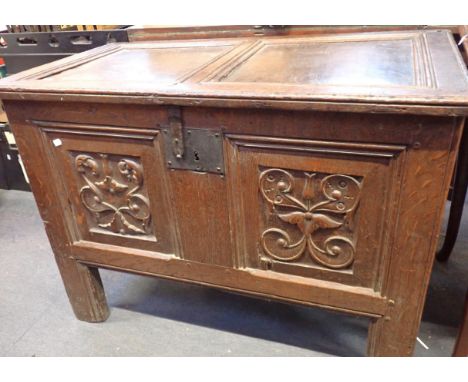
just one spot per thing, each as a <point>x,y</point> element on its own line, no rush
<point>383,341</point>
<point>82,283</point>
<point>410,267</point>
<point>458,199</point>
<point>84,289</point>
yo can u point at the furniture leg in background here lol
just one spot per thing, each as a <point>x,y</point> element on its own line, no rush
<point>458,199</point>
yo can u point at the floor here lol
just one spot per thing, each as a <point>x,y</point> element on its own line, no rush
<point>152,317</point>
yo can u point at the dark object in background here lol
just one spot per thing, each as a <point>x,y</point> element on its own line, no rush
<point>3,177</point>
<point>26,50</point>
<point>58,28</point>
<point>31,47</point>
<point>33,28</point>
<point>11,173</point>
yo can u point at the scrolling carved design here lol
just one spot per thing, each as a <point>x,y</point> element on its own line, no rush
<point>326,204</point>
<point>113,193</point>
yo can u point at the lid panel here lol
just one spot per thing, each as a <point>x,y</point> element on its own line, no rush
<point>153,65</point>
<point>416,68</point>
<point>357,63</point>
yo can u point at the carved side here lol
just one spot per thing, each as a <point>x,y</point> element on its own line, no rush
<point>113,193</point>
<point>309,217</point>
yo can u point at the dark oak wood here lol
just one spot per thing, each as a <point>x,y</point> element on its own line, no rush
<point>432,58</point>
<point>337,156</point>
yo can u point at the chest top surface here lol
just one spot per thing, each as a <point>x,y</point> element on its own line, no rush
<point>394,68</point>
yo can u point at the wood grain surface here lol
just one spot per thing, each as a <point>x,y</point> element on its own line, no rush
<point>337,155</point>
<point>412,68</point>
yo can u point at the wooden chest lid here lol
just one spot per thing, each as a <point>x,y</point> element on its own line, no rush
<point>414,72</point>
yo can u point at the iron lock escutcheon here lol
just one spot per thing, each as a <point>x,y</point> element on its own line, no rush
<point>190,148</point>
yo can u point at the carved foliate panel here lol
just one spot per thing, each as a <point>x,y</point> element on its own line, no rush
<point>321,210</point>
<point>309,217</point>
<point>113,193</point>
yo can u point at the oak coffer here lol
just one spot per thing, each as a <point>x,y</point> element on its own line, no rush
<point>312,170</point>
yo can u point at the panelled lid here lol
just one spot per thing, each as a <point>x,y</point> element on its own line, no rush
<point>415,71</point>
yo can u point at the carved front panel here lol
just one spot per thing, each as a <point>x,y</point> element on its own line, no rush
<point>114,185</point>
<point>316,209</point>
<point>310,217</point>
<point>113,191</point>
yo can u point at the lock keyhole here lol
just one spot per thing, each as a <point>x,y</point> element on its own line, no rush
<point>196,156</point>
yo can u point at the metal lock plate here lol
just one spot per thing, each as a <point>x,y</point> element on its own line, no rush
<point>202,149</point>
